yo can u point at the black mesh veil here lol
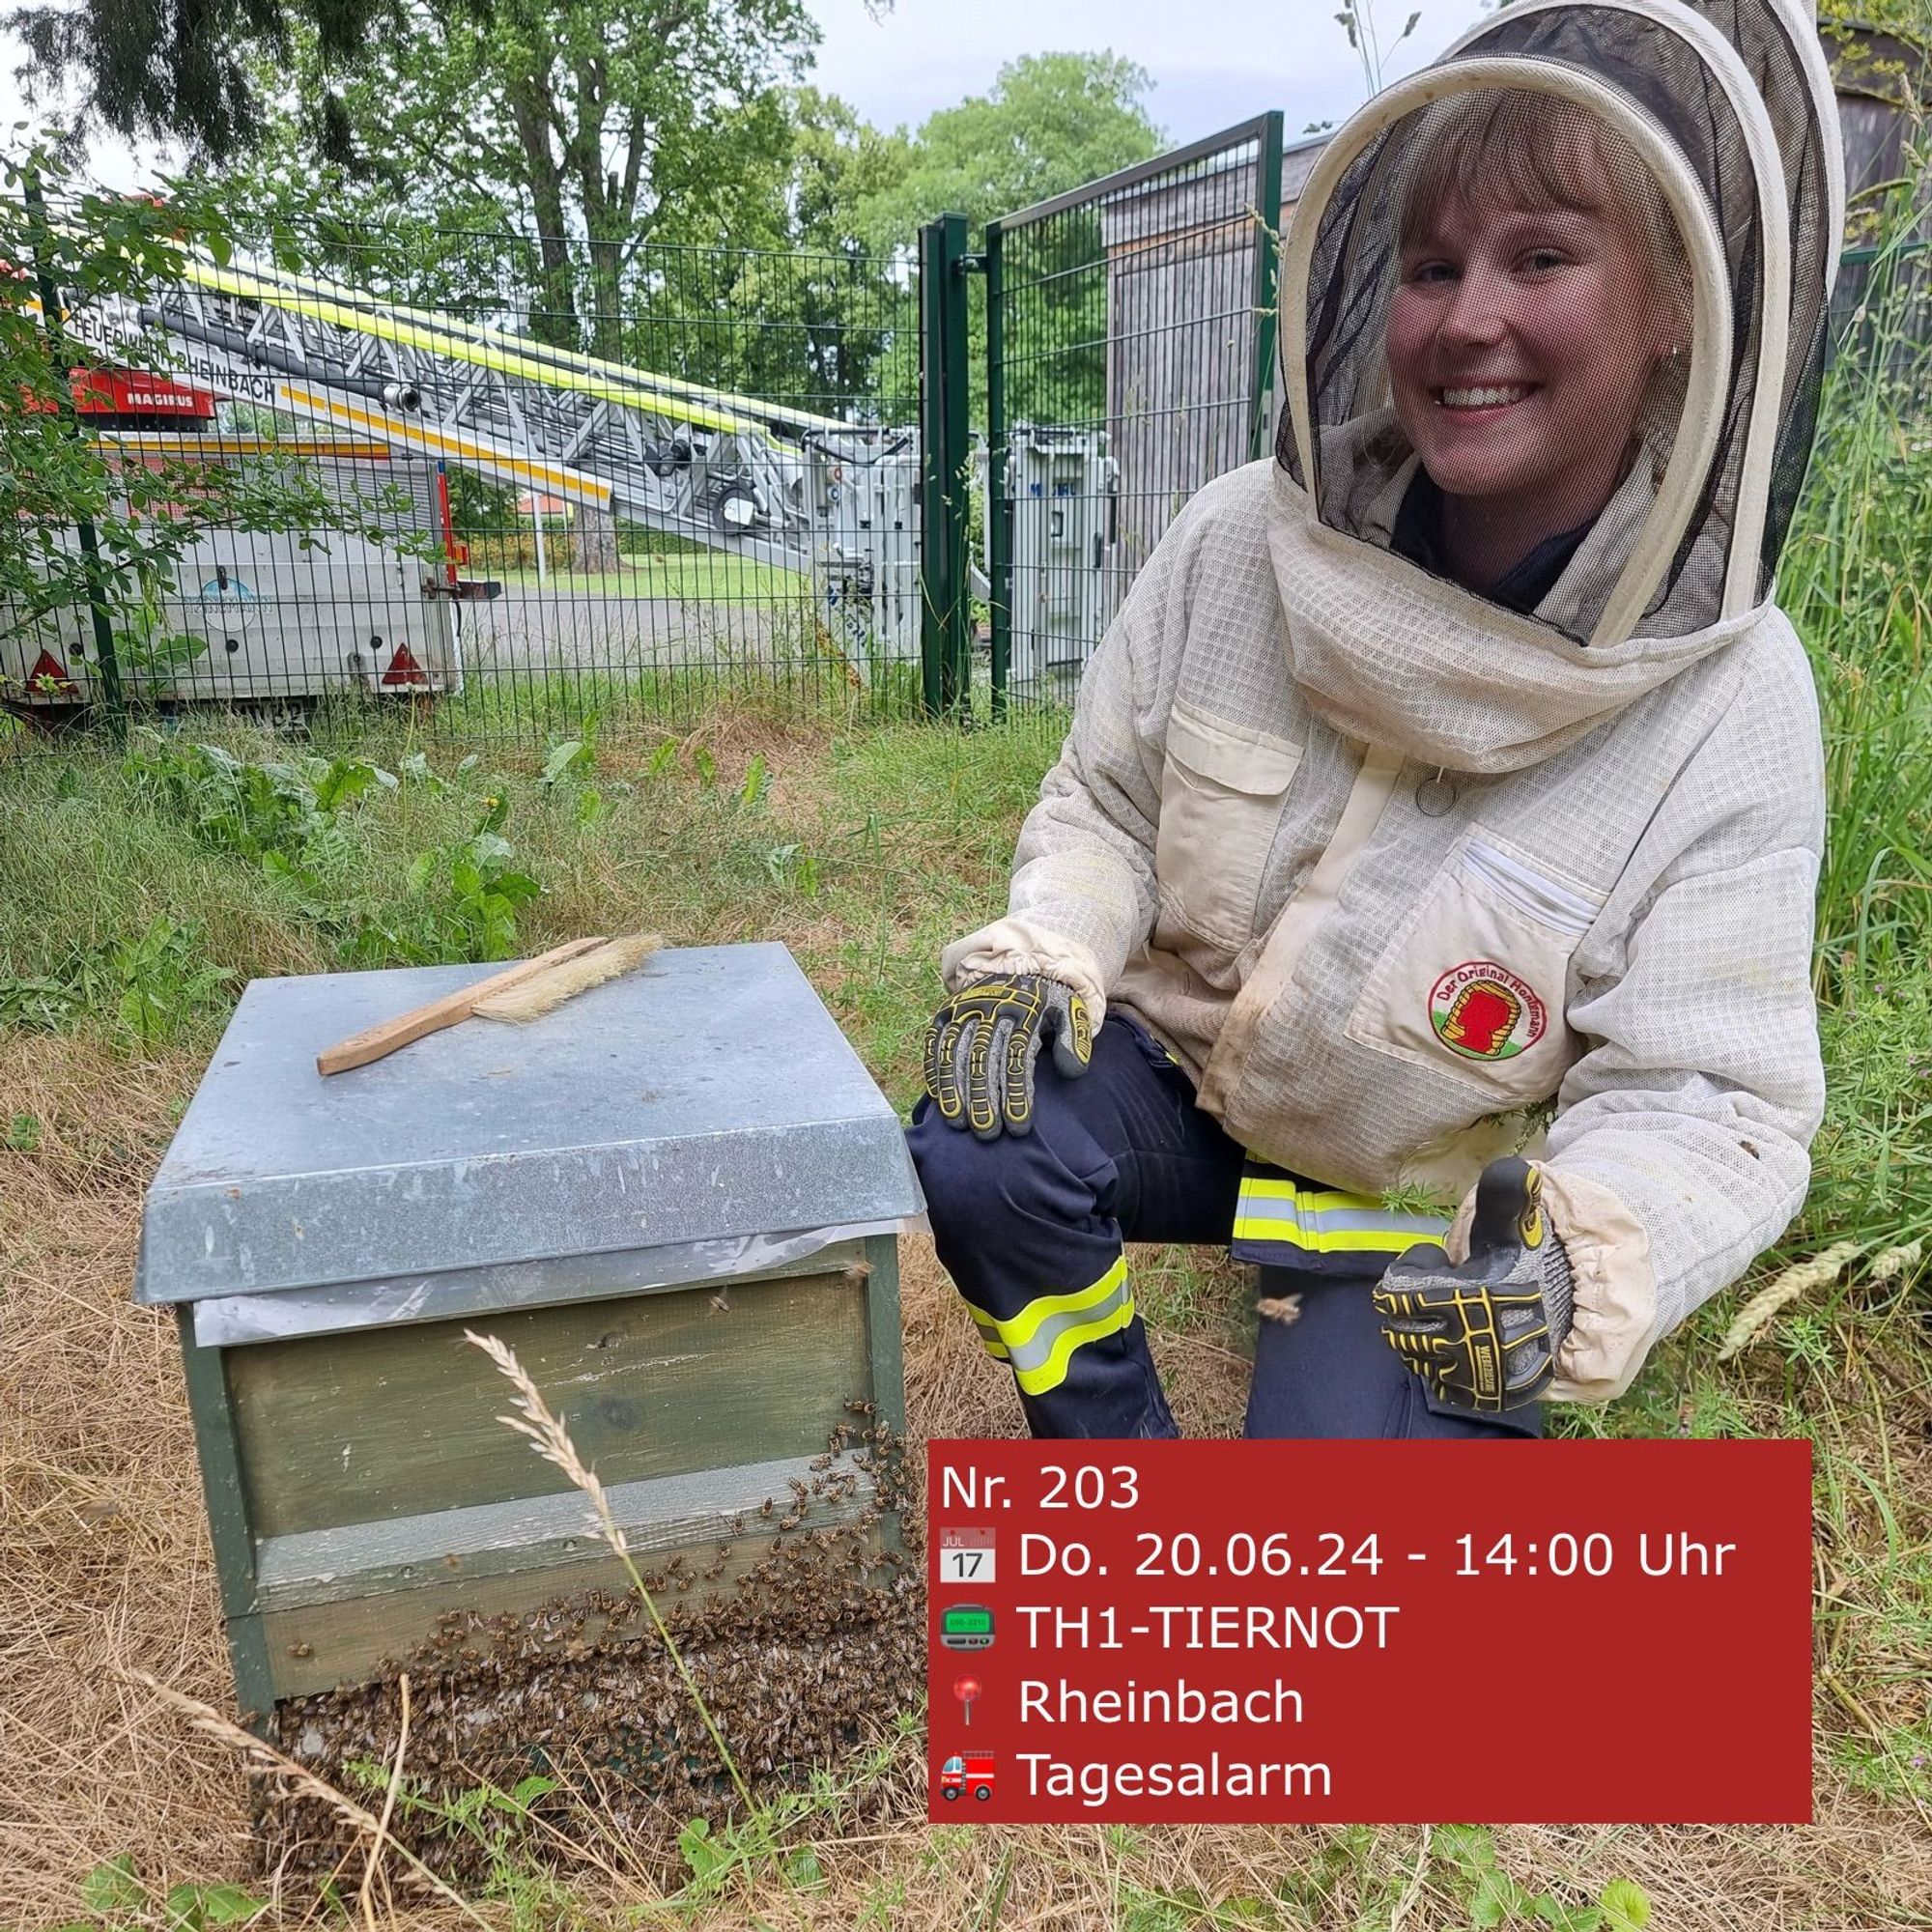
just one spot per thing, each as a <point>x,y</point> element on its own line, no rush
<point>1563,309</point>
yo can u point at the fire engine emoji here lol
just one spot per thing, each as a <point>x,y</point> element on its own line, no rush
<point>972,1773</point>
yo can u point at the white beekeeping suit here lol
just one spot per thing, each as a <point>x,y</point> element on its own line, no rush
<point>1455,763</point>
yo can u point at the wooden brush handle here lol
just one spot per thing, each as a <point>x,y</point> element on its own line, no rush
<point>374,1042</point>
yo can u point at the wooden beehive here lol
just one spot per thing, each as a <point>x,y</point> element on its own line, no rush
<point>676,1197</point>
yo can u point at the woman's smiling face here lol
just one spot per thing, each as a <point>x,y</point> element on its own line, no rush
<point>1520,344</point>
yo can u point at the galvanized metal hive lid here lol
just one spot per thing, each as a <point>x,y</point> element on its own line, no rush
<point>706,1093</point>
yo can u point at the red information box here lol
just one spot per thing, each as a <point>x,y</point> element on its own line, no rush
<point>1247,1633</point>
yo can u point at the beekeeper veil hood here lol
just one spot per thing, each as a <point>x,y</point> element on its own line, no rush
<point>1552,323</point>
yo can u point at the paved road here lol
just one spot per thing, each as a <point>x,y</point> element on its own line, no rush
<point>528,629</point>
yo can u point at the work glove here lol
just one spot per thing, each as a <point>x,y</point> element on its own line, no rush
<point>982,1044</point>
<point>1485,1334</point>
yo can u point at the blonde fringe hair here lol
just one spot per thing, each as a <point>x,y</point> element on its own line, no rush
<point>1538,151</point>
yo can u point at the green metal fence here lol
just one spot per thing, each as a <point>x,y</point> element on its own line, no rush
<point>946,479</point>
<point>1882,313</point>
<point>547,480</point>
<point>1131,352</point>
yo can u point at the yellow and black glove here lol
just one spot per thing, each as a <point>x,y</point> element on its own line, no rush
<point>982,1042</point>
<point>1485,1334</point>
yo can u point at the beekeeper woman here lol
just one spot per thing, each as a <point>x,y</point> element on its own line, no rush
<point>1441,813</point>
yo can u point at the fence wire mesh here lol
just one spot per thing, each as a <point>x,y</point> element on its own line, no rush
<point>495,485</point>
<point>498,483</point>
<point>1130,344</point>
<point>1882,318</point>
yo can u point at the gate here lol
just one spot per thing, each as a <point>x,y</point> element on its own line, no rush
<point>1130,340</point>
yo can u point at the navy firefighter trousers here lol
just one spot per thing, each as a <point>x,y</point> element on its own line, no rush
<point>1031,1228</point>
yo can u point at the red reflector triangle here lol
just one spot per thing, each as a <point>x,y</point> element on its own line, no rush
<point>403,669</point>
<point>49,669</point>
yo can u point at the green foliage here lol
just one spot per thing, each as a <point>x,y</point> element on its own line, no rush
<point>147,986</point>
<point>663,116</point>
<point>1049,122</point>
<point>478,916</point>
<point>758,243</point>
<point>505,1826</point>
<point>1852,579</point>
<point>567,771</point>
<point>791,868</point>
<point>1490,1897</point>
<point>283,813</point>
<point>461,904</point>
<point>156,981</point>
<point>293,818</point>
<point>1910,17</point>
<point>104,255</point>
<point>113,1896</point>
<point>1870,1175</point>
<point>112,1891</point>
<point>197,1908</point>
<point>1625,1904</point>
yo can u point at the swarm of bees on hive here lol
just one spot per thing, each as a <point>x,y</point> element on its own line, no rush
<point>804,1632</point>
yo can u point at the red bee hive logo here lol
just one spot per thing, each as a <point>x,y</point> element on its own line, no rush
<point>1485,1011</point>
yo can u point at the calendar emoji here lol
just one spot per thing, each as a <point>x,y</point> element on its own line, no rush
<point>965,1556</point>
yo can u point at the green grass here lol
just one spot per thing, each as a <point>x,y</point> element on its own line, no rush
<point>708,577</point>
<point>865,847</point>
<point>866,841</point>
<point>883,845</point>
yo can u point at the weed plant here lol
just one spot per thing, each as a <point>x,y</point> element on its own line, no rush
<point>866,842</point>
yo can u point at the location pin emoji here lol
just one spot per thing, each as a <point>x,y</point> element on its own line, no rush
<point>966,1690</point>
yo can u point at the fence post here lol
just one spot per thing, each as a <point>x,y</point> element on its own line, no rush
<point>1267,254</point>
<point>52,322</point>
<point>945,454</point>
<point>998,509</point>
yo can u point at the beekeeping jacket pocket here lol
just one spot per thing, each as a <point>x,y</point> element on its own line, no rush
<point>1507,1021</point>
<point>1221,798</point>
<point>1408,874</point>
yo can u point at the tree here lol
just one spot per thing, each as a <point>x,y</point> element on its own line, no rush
<point>590,128</point>
<point>809,302</point>
<point>1050,123</point>
<point>182,71</point>
<point>100,256</point>
<point>589,132</point>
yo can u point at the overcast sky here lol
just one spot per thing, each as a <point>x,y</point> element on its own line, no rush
<point>1213,62</point>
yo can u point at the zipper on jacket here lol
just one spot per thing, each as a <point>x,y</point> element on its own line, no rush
<point>1528,891</point>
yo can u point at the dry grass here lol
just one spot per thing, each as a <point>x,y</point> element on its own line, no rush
<point>105,1558</point>
<point>106,1568</point>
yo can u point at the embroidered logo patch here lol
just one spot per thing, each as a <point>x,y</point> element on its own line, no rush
<point>1485,1011</point>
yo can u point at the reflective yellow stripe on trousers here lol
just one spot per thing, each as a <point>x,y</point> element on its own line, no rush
<point>1292,1223</point>
<point>1041,1338</point>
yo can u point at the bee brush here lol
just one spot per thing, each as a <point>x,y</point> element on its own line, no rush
<point>547,990</point>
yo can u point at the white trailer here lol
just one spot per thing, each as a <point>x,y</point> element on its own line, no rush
<point>269,619</point>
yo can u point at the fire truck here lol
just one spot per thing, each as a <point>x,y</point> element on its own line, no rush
<point>375,381</point>
<point>387,390</point>
<point>974,1772</point>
